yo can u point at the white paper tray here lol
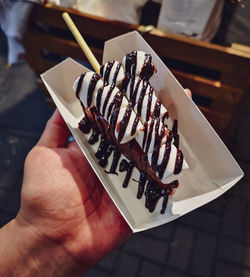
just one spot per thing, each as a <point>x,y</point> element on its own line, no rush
<point>212,169</point>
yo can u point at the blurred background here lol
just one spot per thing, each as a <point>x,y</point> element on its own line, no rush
<point>212,60</point>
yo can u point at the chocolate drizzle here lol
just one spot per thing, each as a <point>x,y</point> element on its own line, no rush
<point>149,137</point>
<point>165,195</point>
<point>117,104</point>
<point>137,96</point>
<point>162,167</point>
<point>124,123</point>
<point>94,137</point>
<point>107,99</point>
<point>149,103</point>
<point>126,166</point>
<point>175,133</point>
<point>79,85</point>
<point>105,71</point>
<point>152,195</point>
<point>102,149</point>
<point>102,69</point>
<point>134,126</point>
<point>159,134</point>
<point>99,98</point>
<point>141,185</point>
<point>157,109</point>
<point>116,158</point>
<point>85,125</point>
<point>145,133</point>
<point>133,90</point>
<point>92,84</point>
<point>141,97</point>
<point>153,191</point>
<point>164,117</point>
<point>178,162</point>
<point>103,153</point>
<point>130,64</point>
<point>116,73</point>
<point>106,74</point>
<point>148,68</point>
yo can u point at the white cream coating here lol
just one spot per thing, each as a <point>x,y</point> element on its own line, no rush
<point>83,94</point>
<point>140,59</point>
<point>132,85</point>
<point>163,110</point>
<point>141,132</point>
<point>76,84</point>
<point>140,62</point>
<point>168,175</point>
<point>127,136</point>
<point>120,76</point>
<point>105,91</point>
<point>139,82</point>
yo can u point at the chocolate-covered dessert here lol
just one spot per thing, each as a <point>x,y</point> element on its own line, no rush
<point>126,117</point>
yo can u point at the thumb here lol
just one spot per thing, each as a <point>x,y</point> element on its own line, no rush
<point>56,132</point>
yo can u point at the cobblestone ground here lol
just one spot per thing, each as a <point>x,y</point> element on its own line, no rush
<point>211,241</point>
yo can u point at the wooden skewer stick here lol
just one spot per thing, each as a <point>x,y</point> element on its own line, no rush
<point>82,43</point>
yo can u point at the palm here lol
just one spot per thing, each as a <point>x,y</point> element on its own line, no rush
<point>63,199</point>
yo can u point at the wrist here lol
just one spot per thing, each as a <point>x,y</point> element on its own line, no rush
<point>25,252</point>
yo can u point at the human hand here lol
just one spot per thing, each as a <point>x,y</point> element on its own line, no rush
<point>189,93</point>
<point>64,202</point>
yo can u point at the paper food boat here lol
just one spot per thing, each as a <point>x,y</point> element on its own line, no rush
<point>212,169</point>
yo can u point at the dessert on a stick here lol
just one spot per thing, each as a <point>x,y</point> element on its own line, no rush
<point>131,123</point>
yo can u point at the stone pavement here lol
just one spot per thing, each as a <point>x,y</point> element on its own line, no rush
<point>211,241</point>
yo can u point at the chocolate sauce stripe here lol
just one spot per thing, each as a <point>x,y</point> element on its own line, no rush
<point>131,64</point>
<point>164,163</point>
<point>178,162</point>
<point>149,104</point>
<point>99,98</point>
<point>107,70</point>
<point>149,137</point>
<point>107,99</point>
<point>79,85</point>
<point>116,73</point>
<point>117,103</point>
<point>124,123</point>
<point>145,134</point>
<point>92,84</point>
<point>157,109</point>
<point>141,98</point>
<point>134,126</point>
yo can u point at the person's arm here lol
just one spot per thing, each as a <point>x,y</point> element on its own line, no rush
<point>24,253</point>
